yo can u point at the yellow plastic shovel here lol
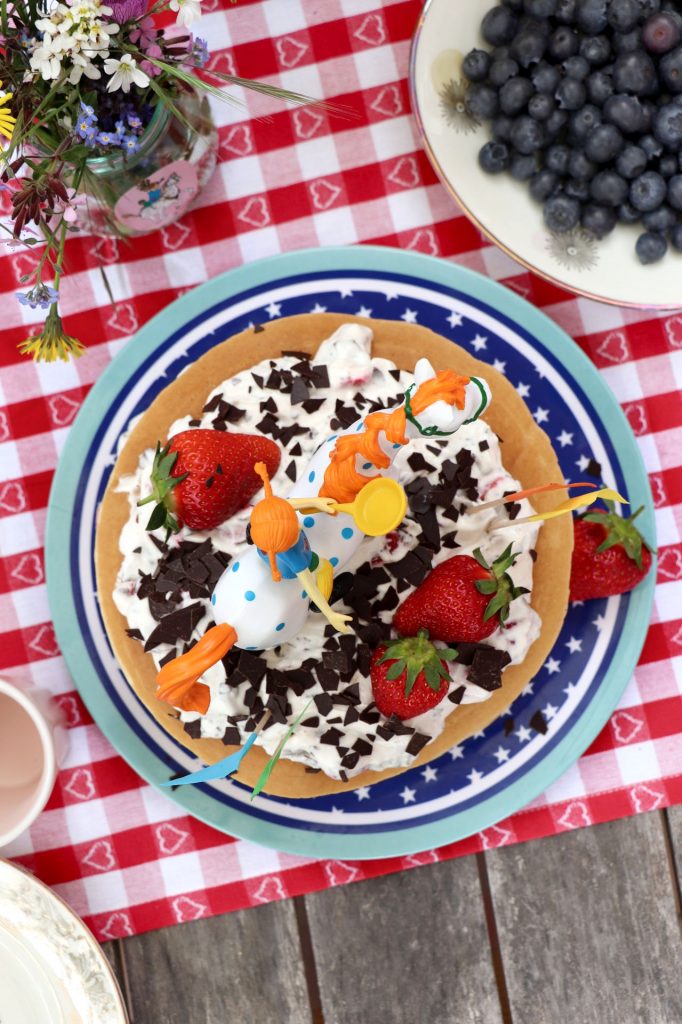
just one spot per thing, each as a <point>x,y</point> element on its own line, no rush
<point>379,507</point>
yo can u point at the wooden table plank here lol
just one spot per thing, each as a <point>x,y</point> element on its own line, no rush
<point>587,926</point>
<point>406,947</point>
<point>240,966</point>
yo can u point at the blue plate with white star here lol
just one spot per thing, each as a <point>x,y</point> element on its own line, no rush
<point>490,775</point>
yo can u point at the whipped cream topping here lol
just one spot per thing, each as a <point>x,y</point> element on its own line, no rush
<point>351,370</point>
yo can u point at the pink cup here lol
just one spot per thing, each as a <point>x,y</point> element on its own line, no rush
<point>32,742</point>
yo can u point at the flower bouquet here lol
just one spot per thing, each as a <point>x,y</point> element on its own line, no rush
<point>108,130</point>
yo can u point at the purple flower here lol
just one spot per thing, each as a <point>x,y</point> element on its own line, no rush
<point>200,52</point>
<point>130,144</point>
<point>40,295</point>
<point>127,10</point>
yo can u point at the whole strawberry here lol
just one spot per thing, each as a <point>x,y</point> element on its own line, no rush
<point>462,599</point>
<point>410,676</point>
<point>202,477</point>
<point>609,555</point>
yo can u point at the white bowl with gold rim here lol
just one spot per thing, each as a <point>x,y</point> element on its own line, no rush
<point>606,270</point>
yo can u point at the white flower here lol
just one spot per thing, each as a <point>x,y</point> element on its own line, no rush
<point>124,73</point>
<point>187,10</point>
<point>70,33</point>
<point>45,63</point>
<point>82,66</point>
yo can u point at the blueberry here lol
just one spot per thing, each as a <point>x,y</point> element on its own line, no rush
<point>626,42</point>
<point>650,247</point>
<point>541,106</point>
<point>627,214</point>
<point>598,220</point>
<point>563,43</point>
<point>663,219</point>
<point>501,71</point>
<point>476,65</point>
<point>631,162</point>
<point>501,128</point>
<point>514,5</point>
<point>580,167</point>
<point>494,157</point>
<point>667,165</point>
<point>595,49</point>
<point>540,8</point>
<point>670,70</point>
<point>591,16</point>
<point>543,26</point>
<point>577,67</point>
<point>555,124</point>
<point>528,47</point>
<point>675,191</point>
<point>514,95</point>
<point>570,94</point>
<point>545,78</point>
<point>667,127</point>
<point>625,112</point>
<point>556,158</point>
<point>651,146</point>
<point>635,72</point>
<point>649,7</point>
<point>481,101</point>
<point>661,32</point>
<point>599,87</point>
<point>527,135</point>
<point>676,237</point>
<point>579,190</point>
<point>561,213</point>
<point>565,12</point>
<point>648,191</point>
<point>623,14</point>
<point>523,167</point>
<point>603,144</point>
<point>583,121</point>
<point>543,184</point>
<point>499,26</point>
<point>608,188</point>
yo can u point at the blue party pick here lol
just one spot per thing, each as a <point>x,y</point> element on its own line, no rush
<point>216,771</point>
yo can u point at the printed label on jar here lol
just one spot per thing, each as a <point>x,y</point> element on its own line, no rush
<point>159,199</point>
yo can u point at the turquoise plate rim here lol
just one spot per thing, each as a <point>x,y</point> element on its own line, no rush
<point>307,841</point>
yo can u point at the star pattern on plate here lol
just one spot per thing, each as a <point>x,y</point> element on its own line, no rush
<point>541,415</point>
<point>409,316</point>
<point>455,319</point>
<point>479,342</point>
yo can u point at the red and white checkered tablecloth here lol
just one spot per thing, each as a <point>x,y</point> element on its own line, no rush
<point>122,854</point>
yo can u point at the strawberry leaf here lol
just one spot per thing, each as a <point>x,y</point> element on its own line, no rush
<point>395,670</point>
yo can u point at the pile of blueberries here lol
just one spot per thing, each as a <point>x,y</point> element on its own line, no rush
<point>585,103</point>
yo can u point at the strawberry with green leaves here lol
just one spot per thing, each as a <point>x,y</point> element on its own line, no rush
<point>202,477</point>
<point>610,555</point>
<point>410,676</point>
<point>462,599</point>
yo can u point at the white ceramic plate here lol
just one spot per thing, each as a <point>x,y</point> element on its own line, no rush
<point>501,207</point>
<point>52,971</point>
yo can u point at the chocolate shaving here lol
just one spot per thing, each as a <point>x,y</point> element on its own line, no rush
<point>483,446</point>
<point>417,743</point>
<point>177,625</point>
<point>457,695</point>
<point>193,729</point>
<point>594,469</point>
<point>134,634</point>
<point>508,726</point>
<point>258,328</point>
<point>538,723</point>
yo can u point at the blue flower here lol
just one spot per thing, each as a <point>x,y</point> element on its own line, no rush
<point>40,295</point>
<point>134,122</point>
<point>120,129</point>
<point>130,144</point>
<point>108,139</point>
<point>200,52</point>
<point>88,110</point>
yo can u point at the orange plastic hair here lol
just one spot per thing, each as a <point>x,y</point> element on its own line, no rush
<point>342,482</point>
<point>176,682</point>
<point>274,523</point>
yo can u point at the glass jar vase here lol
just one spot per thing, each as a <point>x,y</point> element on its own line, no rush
<point>136,194</point>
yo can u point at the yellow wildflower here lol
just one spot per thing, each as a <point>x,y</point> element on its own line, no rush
<point>7,120</point>
<point>52,343</point>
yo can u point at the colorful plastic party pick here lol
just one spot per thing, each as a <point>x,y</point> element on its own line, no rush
<point>607,493</point>
<point>518,495</point>
<point>378,508</point>
<point>223,768</point>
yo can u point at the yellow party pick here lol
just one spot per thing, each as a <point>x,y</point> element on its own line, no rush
<point>567,506</point>
<point>378,508</point>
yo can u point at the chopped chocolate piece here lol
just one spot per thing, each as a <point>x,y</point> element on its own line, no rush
<point>312,771</point>
<point>538,723</point>
<point>160,544</point>
<point>508,726</point>
<point>269,425</point>
<point>338,661</point>
<point>486,668</point>
<point>370,715</point>
<point>331,737</point>
<point>457,695</point>
<point>198,572</point>
<point>351,715</point>
<point>594,469</point>
<point>323,703</point>
<point>398,727</point>
<point>388,602</point>
<point>230,412</point>
<point>328,678</point>
<point>418,463</point>
<point>166,658</point>
<point>232,738</point>
<point>194,423</point>
<point>346,414</point>
<point>269,405</point>
<point>336,720</point>
<point>533,555</point>
<point>258,380</point>
<point>258,328</point>
<point>274,381</point>
<point>449,540</point>
<point>177,625</point>
<point>219,425</point>
<point>448,470</point>
<point>289,433</point>
<point>362,746</point>
<point>193,729</point>
<point>312,404</point>
<point>343,776</point>
<point>252,667</point>
<point>320,376</point>
<point>134,634</point>
<point>350,759</point>
<point>212,405</point>
<point>296,449</point>
<point>277,703</point>
<point>312,723</point>
<point>452,513</point>
<point>395,373</point>
<point>417,743</point>
<point>291,471</point>
<point>430,530</point>
<point>299,391</point>
<point>483,446</point>
<point>443,496</point>
<point>384,733</point>
<point>435,449</point>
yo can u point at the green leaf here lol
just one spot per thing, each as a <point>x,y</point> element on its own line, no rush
<point>448,653</point>
<point>432,676</point>
<point>486,586</point>
<point>396,670</point>
<point>267,771</point>
<point>478,555</point>
<point>411,678</point>
<point>158,517</point>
